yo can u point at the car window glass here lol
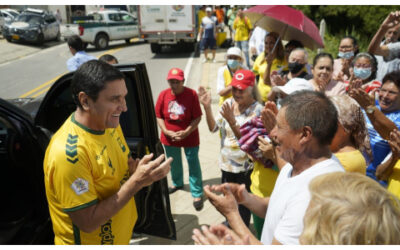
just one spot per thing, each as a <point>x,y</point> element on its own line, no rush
<point>115,17</point>
<point>126,18</point>
<point>130,120</point>
<point>96,17</point>
<point>29,19</point>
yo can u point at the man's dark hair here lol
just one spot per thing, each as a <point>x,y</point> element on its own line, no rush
<point>75,42</point>
<point>313,109</point>
<point>108,58</point>
<point>92,77</point>
<point>295,44</point>
<point>394,77</point>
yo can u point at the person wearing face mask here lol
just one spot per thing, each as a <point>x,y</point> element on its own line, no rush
<point>348,48</point>
<point>363,73</point>
<point>234,62</point>
<point>293,79</point>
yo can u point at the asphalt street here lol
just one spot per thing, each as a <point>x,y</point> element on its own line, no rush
<point>29,71</point>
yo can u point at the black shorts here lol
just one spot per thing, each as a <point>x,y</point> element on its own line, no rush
<point>208,43</point>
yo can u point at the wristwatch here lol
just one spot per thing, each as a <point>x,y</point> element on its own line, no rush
<point>370,109</point>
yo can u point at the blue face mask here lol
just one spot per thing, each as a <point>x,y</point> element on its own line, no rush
<point>233,64</point>
<point>362,73</point>
<point>346,55</point>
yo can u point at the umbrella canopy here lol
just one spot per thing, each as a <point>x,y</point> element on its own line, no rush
<point>289,23</point>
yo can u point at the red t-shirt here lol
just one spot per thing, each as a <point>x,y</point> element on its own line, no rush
<point>178,111</point>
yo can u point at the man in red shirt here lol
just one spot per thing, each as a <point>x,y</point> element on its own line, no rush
<point>178,115</point>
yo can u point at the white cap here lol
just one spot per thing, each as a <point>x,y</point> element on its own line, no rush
<point>208,9</point>
<point>235,51</point>
<point>293,85</point>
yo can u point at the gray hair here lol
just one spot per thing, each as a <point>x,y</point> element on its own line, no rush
<point>312,109</point>
<point>303,50</point>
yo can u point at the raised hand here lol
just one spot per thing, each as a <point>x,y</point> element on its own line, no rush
<point>363,99</point>
<point>391,20</point>
<point>204,96</point>
<point>394,142</point>
<point>276,79</point>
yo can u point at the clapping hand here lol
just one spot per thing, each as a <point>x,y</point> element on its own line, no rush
<point>363,99</point>
<point>227,113</point>
<point>394,142</point>
<point>218,235</point>
<point>268,116</point>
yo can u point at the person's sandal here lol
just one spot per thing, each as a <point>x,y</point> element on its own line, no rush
<point>173,189</point>
<point>198,205</point>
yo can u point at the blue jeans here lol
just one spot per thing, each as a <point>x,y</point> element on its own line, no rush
<point>192,157</point>
<point>244,46</point>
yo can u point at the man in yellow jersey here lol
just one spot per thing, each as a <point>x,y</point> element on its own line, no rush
<point>90,177</point>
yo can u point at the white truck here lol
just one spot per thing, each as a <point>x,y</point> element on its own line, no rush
<point>100,27</point>
<point>172,25</point>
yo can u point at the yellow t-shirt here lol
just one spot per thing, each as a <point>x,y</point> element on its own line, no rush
<point>262,180</point>
<point>259,67</point>
<point>228,80</point>
<point>81,168</point>
<point>242,27</point>
<point>394,181</point>
<point>353,161</point>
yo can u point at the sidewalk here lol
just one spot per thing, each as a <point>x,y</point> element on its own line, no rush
<point>185,216</point>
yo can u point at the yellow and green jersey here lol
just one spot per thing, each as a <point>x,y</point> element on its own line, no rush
<point>81,168</point>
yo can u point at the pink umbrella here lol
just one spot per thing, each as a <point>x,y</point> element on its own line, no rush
<point>288,22</point>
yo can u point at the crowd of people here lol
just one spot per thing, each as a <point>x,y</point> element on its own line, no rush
<point>311,151</point>
<point>333,135</point>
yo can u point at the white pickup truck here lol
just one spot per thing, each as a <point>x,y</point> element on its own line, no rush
<point>171,25</point>
<point>100,27</point>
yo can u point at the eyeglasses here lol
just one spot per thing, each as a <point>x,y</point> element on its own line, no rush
<point>388,92</point>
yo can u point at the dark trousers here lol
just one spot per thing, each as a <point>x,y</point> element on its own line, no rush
<point>240,178</point>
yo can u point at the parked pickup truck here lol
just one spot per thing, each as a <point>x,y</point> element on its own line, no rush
<point>100,27</point>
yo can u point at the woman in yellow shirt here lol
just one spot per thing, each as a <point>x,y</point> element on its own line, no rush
<point>351,142</point>
<point>389,170</point>
<point>277,59</point>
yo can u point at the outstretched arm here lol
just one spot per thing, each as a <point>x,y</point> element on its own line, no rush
<point>392,20</point>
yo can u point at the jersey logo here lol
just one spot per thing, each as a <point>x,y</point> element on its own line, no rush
<point>80,186</point>
<point>107,237</point>
<point>71,148</point>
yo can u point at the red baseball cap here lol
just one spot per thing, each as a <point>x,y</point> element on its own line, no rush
<point>243,79</point>
<point>175,73</point>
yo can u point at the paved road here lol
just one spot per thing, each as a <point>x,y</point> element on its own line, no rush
<point>31,70</point>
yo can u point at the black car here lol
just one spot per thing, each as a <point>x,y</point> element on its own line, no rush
<point>26,126</point>
<point>34,26</point>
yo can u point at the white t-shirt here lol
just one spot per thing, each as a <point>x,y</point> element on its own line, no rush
<point>289,201</point>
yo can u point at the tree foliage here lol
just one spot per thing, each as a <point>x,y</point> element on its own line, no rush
<point>343,19</point>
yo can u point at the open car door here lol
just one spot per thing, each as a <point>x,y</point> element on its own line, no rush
<point>24,214</point>
<point>140,129</point>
